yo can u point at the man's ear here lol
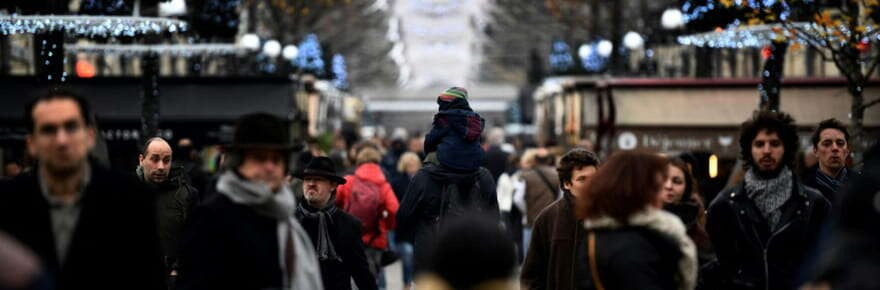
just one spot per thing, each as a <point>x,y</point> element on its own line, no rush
<point>140,158</point>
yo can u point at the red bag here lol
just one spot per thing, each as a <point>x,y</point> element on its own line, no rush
<point>364,204</point>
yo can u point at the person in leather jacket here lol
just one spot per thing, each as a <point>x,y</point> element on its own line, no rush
<point>763,228</point>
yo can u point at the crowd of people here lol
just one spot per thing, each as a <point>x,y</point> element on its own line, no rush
<point>461,208</point>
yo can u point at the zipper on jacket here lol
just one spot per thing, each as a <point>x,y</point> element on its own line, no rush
<point>766,262</point>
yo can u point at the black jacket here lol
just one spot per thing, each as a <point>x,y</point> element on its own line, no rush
<point>751,256</point>
<point>114,245</point>
<point>229,246</point>
<point>345,233</point>
<point>419,212</point>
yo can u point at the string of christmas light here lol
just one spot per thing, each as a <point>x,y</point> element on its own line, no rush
<point>560,57</point>
<point>765,34</point>
<point>176,50</point>
<point>340,72</point>
<point>89,26</point>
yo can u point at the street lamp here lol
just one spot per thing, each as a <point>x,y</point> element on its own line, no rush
<point>604,48</point>
<point>250,41</point>
<point>672,19</point>
<point>633,40</point>
<point>272,48</point>
<point>585,50</point>
<point>289,52</point>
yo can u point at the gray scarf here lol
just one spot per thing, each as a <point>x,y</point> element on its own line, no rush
<point>324,217</point>
<point>770,194</point>
<point>279,205</point>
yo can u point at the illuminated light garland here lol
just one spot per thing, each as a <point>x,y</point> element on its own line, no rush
<point>89,26</point>
<point>184,50</point>
<point>340,72</point>
<point>763,35</point>
<point>560,57</point>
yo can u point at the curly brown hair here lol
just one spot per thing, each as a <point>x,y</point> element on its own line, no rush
<point>774,122</point>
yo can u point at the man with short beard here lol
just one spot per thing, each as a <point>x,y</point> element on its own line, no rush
<point>763,227</point>
<point>92,228</point>
<point>335,234</point>
<point>831,146</point>
<point>175,196</point>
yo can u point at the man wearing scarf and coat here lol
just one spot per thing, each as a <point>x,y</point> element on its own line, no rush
<point>335,234</point>
<point>763,228</point>
<point>246,237</point>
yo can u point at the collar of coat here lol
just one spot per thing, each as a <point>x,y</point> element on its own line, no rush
<point>667,224</point>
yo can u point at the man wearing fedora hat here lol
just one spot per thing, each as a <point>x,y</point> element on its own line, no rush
<point>335,234</point>
<point>246,236</point>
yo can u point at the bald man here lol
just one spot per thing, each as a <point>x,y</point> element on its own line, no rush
<point>175,196</point>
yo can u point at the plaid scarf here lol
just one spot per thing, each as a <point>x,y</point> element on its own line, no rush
<point>770,194</point>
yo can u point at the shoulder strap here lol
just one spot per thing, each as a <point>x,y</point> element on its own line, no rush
<point>594,269</point>
<point>547,182</point>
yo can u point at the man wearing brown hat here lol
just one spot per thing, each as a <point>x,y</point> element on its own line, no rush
<point>335,234</point>
<point>246,236</point>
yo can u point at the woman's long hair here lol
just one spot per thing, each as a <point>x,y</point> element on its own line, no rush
<point>691,194</point>
<point>627,183</point>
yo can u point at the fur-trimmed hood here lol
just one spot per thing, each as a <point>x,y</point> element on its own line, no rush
<point>670,226</point>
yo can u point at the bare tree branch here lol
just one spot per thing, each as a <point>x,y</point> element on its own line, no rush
<point>871,103</point>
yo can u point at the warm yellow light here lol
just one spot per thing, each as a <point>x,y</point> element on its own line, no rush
<point>713,166</point>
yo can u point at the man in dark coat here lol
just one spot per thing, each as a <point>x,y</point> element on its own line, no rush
<point>176,198</point>
<point>424,205</point>
<point>552,261</point>
<point>831,146</point>
<point>763,227</point>
<point>92,228</point>
<point>246,236</point>
<point>335,234</point>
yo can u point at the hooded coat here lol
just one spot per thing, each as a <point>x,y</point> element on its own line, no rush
<point>456,136</point>
<point>371,172</point>
<point>420,211</point>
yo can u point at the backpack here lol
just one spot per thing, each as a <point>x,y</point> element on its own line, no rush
<point>364,203</point>
<point>456,203</point>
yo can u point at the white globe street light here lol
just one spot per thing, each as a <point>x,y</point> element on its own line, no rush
<point>633,40</point>
<point>172,8</point>
<point>250,41</point>
<point>272,48</point>
<point>585,50</point>
<point>604,48</point>
<point>290,51</point>
<point>672,19</point>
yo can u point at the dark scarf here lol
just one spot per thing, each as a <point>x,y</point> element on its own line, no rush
<point>324,217</point>
<point>829,182</point>
<point>770,194</point>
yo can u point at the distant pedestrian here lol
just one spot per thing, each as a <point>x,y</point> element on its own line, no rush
<point>541,189</point>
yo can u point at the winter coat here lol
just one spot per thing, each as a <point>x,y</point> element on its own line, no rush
<point>176,200</point>
<point>552,261</point>
<point>652,251</point>
<point>114,244</point>
<point>227,245</point>
<point>538,194</point>
<point>827,191</point>
<point>371,172</point>
<point>455,136</point>
<point>497,161</point>
<point>345,234</point>
<point>750,255</point>
<point>420,210</point>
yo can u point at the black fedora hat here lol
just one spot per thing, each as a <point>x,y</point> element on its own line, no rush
<point>260,131</point>
<point>320,166</point>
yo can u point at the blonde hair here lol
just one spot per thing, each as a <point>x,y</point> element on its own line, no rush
<point>368,155</point>
<point>528,158</point>
<point>407,159</point>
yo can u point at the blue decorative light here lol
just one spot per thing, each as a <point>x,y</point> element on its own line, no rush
<point>560,57</point>
<point>340,74</point>
<point>309,57</point>
<point>594,62</point>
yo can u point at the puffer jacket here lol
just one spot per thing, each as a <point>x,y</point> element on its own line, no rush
<point>456,138</point>
<point>371,172</point>
<point>750,254</point>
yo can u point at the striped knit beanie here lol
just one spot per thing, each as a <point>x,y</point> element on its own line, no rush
<point>452,93</point>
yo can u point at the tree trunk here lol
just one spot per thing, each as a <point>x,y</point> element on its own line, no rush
<point>617,61</point>
<point>771,77</point>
